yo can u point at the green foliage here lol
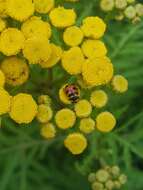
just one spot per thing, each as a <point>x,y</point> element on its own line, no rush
<point>27,162</point>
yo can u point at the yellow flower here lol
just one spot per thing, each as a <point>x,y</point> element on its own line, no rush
<point>48,131</point>
<point>97,71</point>
<point>120,83</point>
<point>2,79</point>
<point>93,27</point>
<point>5,101</point>
<point>23,108</point>
<point>83,83</point>
<point>83,108</point>
<point>63,97</point>
<point>72,60</point>
<point>16,71</point>
<point>76,143</point>
<point>44,99</point>
<point>87,125</point>
<point>98,98</point>
<point>37,50</point>
<point>36,27</point>
<point>20,9</point>
<point>73,36</point>
<point>2,25</point>
<point>65,118</point>
<point>43,6</point>
<point>44,114</point>
<point>61,17</point>
<point>105,122</point>
<point>94,48</point>
<point>55,57</point>
<point>11,41</point>
<point>3,8</point>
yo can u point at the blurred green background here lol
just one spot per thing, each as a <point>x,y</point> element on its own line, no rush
<point>27,162</point>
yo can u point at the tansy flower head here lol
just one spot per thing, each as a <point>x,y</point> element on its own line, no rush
<point>2,79</point>
<point>23,108</point>
<point>98,98</point>
<point>44,99</point>
<point>72,60</point>
<point>3,8</point>
<point>120,83</point>
<point>16,71</point>
<point>73,36</point>
<point>2,25</point>
<point>37,50</point>
<point>120,4</point>
<point>97,71</point>
<point>36,27</point>
<point>65,118</point>
<point>93,27</point>
<point>87,125</point>
<point>5,101</point>
<point>61,17</point>
<point>76,143</point>
<point>48,131</point>
<point>94,48</point>
<point>105,121</point>
<point>44,113</point>
<point>19,9</point>
<point>11,41</point>
<point>107,5</point>
<point>43,6</point>
<point>55,57</point>
<point>83,108</point>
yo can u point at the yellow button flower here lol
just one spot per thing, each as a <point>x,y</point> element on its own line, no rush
<point>65,118</point>
<point>63,97</point>
<point>44,99</point>
<point>73,36</point>
<point>72,60</point>
<point>48,131</point>
<point>36,27</point>
<point>44,114</point>
<point>37,50</point>
<point>55,57</point>
<point>16,71</point>
<point>23,108</point>
<point>43,6</point>
<point>11,41</point>
<point>93,27</point>
<point>5,101</point>
<point>105,122</point>
<point>61,17</point>
<point>87,125</point>
<point>83,108</point>
<point>83,84</point>
<point>94,48</point>
<point>76,143</point>
<point>2,25</point>
<point>20,9</point>
<point>2,79</point>
<point>97,71</point>
<point>120,83</point>
<point>98,98</point>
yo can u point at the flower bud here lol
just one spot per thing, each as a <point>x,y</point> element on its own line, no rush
<point>107,5</point>
<point>119,16</point>
<point>97,186</point>
<point>120,4</point>
<point>130,1</point>
<point>91,177</point>
<point>115,170</point>
<point>123,179</point>
<point>109,184</point>
<point>117,184</point>
<point>139,9</point>
<point>44,99</point>
<point>102,175</point>
<point>130,12</point>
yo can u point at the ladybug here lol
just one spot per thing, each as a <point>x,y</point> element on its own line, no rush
<point>72,92</point>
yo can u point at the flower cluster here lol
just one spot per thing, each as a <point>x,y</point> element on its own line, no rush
<point>108,178</point>
<point>128,9</point>
<point>84,69</point>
